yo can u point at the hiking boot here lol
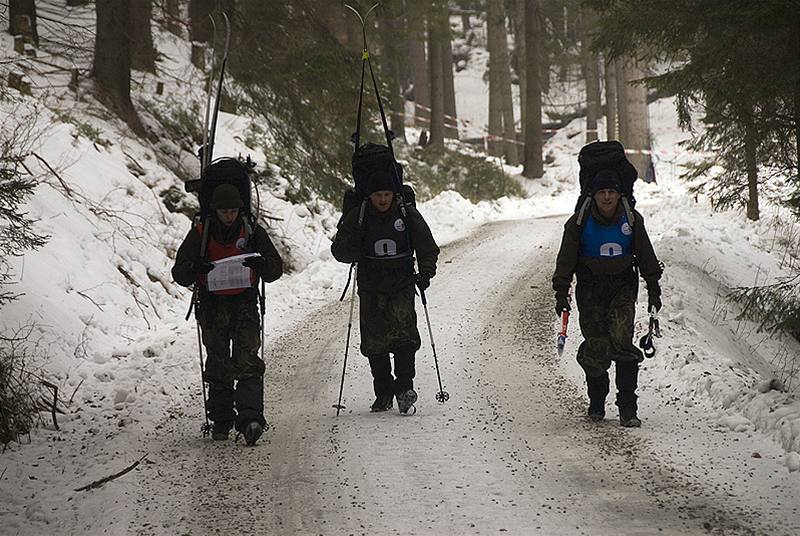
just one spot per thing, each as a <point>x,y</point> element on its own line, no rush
<point>628,418</point>
<point>220,430</point>
<point>252,431</point>
<point>405,400</point>
<point>596,414</point>
<point>382,403</point>
<point>597,389</point>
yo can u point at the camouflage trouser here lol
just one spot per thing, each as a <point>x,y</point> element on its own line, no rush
<point>388,322</point>
<point>231,328</point>
<point>607,306</point>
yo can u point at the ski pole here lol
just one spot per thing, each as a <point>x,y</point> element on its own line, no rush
<point>442,396</point>
<point>206,428</point>
<point>562,335</point>
<point>339,405</point>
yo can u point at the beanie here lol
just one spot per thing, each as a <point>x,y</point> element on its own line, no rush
<point>226,196</point>
<point>606,179</point>
<point>382,178</point>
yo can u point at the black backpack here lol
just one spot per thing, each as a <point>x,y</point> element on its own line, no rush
<point>223,171</point>
<point>372,158</point>
<point>605,155</point>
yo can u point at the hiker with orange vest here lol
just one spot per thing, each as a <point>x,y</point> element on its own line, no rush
<point>234,372</point>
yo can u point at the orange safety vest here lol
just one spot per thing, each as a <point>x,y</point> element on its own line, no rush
<point>216,250</point>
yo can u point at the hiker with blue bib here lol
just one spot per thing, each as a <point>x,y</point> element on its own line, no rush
<point>606,246</point>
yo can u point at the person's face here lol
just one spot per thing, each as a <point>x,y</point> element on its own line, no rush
<point>227,215</point>
<point>606,200</point>
<point>382,200</point>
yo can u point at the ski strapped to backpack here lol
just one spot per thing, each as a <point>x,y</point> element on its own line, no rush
<point>371,156</point>
<point>213,173</point>
<point>605,156</point>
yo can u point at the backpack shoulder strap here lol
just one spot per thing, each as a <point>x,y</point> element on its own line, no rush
<point>582,211</point>
<point>628,210</point>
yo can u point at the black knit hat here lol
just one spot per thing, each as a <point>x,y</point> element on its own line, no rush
<point>606,179</point>
<point>226,196</point>
<point>381,179</point>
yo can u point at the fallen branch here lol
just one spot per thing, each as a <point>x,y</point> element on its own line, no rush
<point>102,481</point>
<point>55,401</point>
<point>75,391</point>
<point>54,172</point>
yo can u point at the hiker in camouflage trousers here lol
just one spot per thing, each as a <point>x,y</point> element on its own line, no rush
<point>384,245</point>
<point>230,318</point>
<point>604,253</point>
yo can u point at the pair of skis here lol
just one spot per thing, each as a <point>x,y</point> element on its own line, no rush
<point>205,154</point>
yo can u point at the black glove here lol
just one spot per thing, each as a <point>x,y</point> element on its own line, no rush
<point>201,267</point>
<point>653,296</point>
<point>256,262</point>
<point>423,281</point>
<point>562,304</point>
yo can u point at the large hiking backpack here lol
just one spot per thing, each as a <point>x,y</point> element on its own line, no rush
<point>223,171</point>
<point>599,156</point>
<point>371,159</point>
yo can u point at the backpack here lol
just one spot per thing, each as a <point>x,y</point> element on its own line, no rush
<point>223,170</point>
<point>371,158</point>
<point>605,155</point>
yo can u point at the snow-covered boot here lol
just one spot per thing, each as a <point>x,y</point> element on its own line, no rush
<point>597,389</point>
<point>221,429</point>
<point>383,402</point>
<point>252,432</point>
<point>405,400</point>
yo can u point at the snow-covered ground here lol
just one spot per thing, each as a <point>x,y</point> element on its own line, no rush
<point>109,330</point>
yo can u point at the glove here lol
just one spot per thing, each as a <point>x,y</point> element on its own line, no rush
<point>201,267</point>
<point>423,281</point>
<point>562,304</point>
<point>653,296</point>
<point>257,263</point>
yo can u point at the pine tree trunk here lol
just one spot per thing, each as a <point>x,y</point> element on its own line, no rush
<point>519,51</point>
<point>495,97</point>
<point>143,53</point>
<point>465,24</point>
<point>622,100</point>
<point>436,62</point>
<point>417,36</point>
<point>751,164</point>
<point>388,18</point>
<point>172,16</point>
<point>451,117</point>
<point>498,63</point>
<point>112,63</point>
<point>611,100</point>
<point>201,32</point>
<point>591,76</point>
<point>637,126</point>
<point>22,20</point>
<point>534,163</point>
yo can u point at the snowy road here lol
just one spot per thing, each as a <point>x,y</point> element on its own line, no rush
<point>509,453</point>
